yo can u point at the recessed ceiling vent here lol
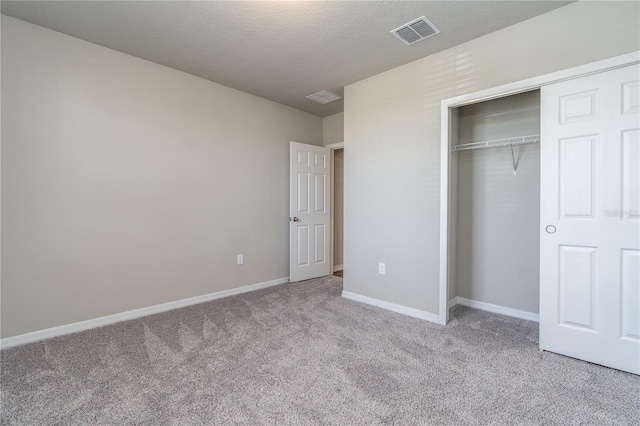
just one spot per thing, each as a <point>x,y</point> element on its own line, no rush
<point>324,97</point>
<point>415,31</point>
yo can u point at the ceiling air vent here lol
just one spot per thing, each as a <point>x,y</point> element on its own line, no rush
<point>323,97</point>
<point>416,30</point>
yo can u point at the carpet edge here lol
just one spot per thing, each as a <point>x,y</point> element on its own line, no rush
<point>61,330</point>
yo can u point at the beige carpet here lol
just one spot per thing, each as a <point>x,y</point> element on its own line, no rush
<point>301,354</point>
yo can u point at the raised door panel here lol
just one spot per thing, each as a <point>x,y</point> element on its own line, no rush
<point>303,157</point>
<point>630,289</point>
<point>303,245</point>
<point>631,97</point>
<point>303,192</point>
<point>630,208</point>
<point>321,243</point>
<point>320,199</point>
<point>577,284</point>
<point>577,177</point>
<point>578,107</point>
<point>320,160</point>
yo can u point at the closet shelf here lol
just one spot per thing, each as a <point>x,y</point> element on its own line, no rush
<point>519,140</point>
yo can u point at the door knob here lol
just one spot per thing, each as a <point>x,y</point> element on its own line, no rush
<point>295,219</point>
<point>550,229</point>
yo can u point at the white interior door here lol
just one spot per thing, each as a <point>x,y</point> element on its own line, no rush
<point>310,212</point>
<point>590,217</point>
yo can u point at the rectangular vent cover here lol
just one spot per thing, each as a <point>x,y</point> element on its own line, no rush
<point>416,30</point>
<point>323,97</point>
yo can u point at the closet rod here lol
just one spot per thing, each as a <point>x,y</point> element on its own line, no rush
<point>519,140</point>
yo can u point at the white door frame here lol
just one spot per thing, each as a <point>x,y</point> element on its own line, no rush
<point>446,261</point>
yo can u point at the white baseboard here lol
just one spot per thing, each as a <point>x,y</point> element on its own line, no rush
<point>48,333</point>
<point>337,268</point>
<point>416,313</point>
<point>496,309</point>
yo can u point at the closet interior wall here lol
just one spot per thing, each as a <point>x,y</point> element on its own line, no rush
<point>497,214</point>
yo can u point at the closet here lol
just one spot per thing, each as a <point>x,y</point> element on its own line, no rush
<point>496,205</point>
<point>539,207</point>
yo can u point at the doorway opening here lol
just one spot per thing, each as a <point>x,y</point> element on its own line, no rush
<point>313,250</point>
<point>337,208</point>
<point>338,212</point>
<point>495,205</point>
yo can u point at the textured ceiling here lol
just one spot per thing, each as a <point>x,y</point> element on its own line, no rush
<point>281,51</point>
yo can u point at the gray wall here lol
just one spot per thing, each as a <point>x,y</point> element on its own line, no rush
<point>127,184</point>
<point>498,214</point>
<point>333,129</point>
<point>392,138</point>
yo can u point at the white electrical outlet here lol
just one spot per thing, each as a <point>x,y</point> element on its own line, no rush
<point>240,259</point>
<point>381,268</point>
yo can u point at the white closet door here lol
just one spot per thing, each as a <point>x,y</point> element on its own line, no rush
<point>310,201</point>
<point>590,219</point>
